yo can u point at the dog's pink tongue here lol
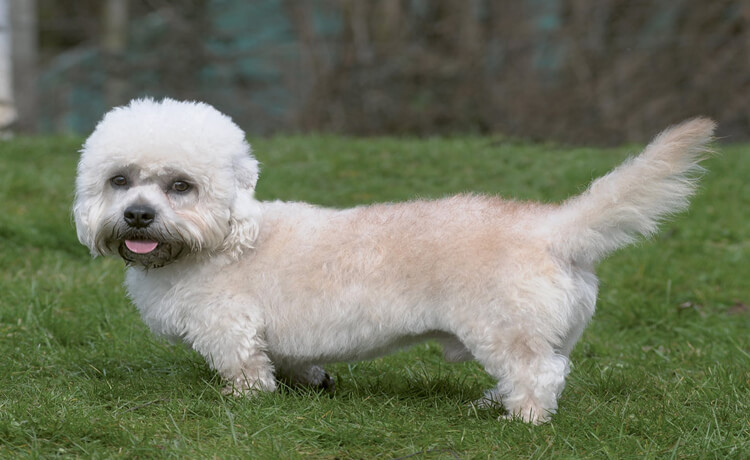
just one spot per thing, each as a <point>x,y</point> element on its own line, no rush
<point>140,246</point>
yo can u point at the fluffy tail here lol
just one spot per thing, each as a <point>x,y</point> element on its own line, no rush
<point>633,198</point>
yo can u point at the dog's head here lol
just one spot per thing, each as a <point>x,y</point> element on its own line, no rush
<point>160,180</point>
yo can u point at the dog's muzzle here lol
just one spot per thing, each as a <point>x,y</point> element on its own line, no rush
<point>142,243</point>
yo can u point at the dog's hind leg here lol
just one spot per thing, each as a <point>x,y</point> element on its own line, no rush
<point>531,376</point>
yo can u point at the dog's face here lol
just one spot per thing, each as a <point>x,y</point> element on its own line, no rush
<point>160,180</point>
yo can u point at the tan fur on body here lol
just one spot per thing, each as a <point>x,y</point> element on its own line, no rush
<point>272,289</point>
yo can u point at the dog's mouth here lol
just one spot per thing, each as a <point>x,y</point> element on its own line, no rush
<point>149,253</point>
<point>141,246</point>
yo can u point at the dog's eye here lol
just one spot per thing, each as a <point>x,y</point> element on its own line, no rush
<point>119,181</point>
<point>180,186</point>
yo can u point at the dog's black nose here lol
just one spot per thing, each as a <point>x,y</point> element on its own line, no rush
<point>139,215</point>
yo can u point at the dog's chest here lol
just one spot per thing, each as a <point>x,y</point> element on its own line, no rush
<point>160,299</point>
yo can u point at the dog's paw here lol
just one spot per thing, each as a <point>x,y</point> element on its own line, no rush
<point>530,413</point>
<point>242,386</point>
<point>327,384</point>
<point>314,377</point>
<point>231,389</point>
<point>533,415</point>
<point>490,400</point>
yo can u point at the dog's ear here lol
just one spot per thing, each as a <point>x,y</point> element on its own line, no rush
<point>85,214</point>
<point>244,221</point>
<point>83,227</point>
<point>246,171</point>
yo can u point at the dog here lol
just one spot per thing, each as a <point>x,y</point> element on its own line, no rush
<point>267,290</point>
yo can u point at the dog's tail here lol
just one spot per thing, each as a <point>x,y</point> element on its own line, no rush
<point>633,198</point>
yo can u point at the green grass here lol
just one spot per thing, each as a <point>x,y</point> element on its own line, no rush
<point>662,372</point>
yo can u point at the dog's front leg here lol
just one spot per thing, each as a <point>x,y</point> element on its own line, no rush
<point>234,347</point>
<point>255,375</point>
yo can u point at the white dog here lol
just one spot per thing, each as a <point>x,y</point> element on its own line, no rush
<point>273,289</point>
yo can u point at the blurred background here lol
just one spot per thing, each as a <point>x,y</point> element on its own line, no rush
<point>573,71</point>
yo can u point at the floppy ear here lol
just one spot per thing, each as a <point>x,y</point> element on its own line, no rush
<point>83,227</point>
<point>87,210</point>
<point>245,212</point>
<point>246,171</point>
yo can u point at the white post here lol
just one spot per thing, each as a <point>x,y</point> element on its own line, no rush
<point>7,107</point>
<point>23,27</point>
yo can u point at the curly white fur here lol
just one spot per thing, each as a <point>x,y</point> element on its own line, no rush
<point>272,289</point>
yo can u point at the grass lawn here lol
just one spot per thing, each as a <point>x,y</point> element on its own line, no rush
<point>663,371</point>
